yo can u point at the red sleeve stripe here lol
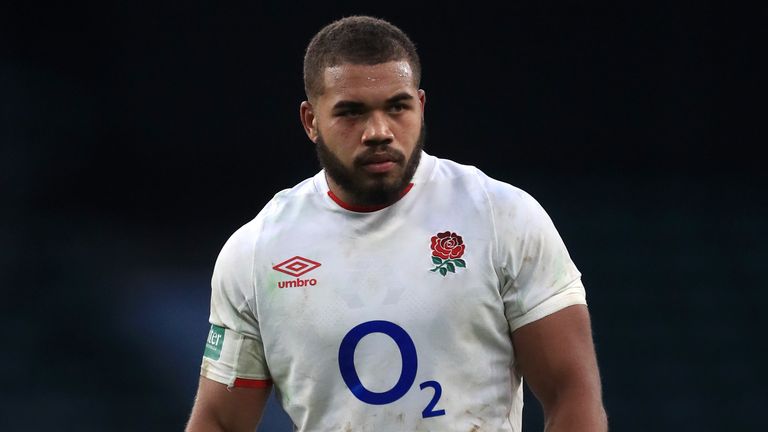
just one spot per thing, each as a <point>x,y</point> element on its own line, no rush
<point>252,383</point>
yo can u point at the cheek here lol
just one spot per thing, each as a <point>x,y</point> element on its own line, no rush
<point>410,128</point>
<point>341,139</point>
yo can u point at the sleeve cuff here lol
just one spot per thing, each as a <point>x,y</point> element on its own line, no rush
<point>570,296</point>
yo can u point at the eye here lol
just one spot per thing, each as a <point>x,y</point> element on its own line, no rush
<point>398,107</point>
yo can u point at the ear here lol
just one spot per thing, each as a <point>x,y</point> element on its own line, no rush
<point>422,100</point>
<point>308,120</point>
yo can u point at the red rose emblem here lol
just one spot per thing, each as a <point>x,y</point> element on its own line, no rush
<point>447,249</point>
<point>447,245</point>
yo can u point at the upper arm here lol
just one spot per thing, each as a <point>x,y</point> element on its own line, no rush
<point>235,380</point>
<point>234,353</point>
<point>218,408</point>
<point>556,356</point>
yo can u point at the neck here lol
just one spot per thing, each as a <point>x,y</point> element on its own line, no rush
<point>347,201</point>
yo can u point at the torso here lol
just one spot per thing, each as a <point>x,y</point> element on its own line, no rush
<point>428,351</point>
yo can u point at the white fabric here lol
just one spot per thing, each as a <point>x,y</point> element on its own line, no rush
<point>376,267</point>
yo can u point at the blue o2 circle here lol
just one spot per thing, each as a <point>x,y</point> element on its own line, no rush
<point>347,361</point>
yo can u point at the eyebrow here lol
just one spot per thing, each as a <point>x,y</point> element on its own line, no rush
<point>347,104</point>
<point>402,96</point>
<point>344,104</point>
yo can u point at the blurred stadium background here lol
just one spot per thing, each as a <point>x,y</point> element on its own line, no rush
<point>135,138</point>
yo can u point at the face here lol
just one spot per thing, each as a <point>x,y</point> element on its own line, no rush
<point>368,129</point>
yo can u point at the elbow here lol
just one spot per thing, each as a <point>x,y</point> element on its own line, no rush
<point>576,410</point>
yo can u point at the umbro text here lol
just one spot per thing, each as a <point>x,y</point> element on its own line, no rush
<point>297,283</point>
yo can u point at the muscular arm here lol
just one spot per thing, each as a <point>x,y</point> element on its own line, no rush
<point>219,409</point>
<point>556,356</point>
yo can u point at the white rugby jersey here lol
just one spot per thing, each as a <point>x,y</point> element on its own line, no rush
<point>397,319</point>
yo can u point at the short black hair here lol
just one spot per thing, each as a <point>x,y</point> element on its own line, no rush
<point>358,40</point>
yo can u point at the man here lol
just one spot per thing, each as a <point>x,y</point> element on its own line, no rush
<point>393,291</point>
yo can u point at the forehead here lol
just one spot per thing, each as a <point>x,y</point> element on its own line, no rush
<point>355,81</point>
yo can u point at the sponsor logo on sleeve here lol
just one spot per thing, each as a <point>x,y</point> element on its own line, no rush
<point>214,342</point>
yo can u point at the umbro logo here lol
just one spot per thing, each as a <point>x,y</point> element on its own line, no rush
<point>297,266</point>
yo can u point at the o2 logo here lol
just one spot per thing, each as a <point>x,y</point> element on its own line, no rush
<point>407,374</point>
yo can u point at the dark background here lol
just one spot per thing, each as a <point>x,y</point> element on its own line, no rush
<point>134,139</point>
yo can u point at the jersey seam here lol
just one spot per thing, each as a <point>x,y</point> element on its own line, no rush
<point>268,211</point>
<point>255,312</point>
<point>251,273</point>
<point>236,365</point>
<point>495,238</point>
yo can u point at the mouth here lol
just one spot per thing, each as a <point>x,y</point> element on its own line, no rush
<point>379,167</point>
<point>380,163</point>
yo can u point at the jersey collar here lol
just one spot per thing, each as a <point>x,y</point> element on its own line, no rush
<point>365,209</point>
<point>423,171</point>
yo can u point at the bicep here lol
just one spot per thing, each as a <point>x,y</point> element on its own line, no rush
<point>556,354</point>
<point>220,409</point>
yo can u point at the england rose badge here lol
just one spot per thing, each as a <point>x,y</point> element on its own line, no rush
<point>447,250</point>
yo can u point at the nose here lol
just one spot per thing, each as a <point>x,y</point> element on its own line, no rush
<point>377,130</point>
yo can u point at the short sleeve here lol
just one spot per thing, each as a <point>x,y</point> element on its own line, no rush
<point>538,277</point>
<point>234,353</point>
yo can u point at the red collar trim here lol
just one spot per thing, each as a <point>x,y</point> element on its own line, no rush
<point>364,209</point>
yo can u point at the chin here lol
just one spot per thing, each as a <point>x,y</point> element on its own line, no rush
<point>388,180</point>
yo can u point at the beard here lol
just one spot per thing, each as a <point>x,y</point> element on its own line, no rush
<point>365,188</point>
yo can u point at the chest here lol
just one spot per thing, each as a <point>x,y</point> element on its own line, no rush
<point>427,274</point>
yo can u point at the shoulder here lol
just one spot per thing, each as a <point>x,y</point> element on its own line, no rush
<point>505,199</point>
<point>307,187</point>
<point>243,241</point>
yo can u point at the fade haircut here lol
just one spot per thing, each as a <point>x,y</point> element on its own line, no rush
<point>361,40</point>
